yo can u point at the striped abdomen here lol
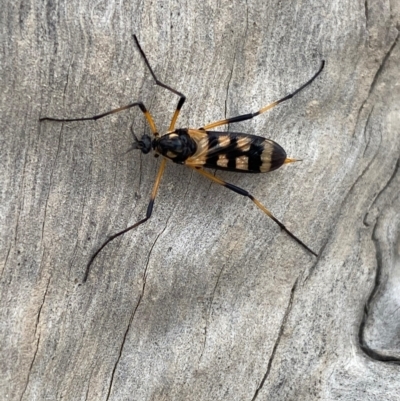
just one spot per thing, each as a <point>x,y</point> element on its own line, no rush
<point>235,151</point>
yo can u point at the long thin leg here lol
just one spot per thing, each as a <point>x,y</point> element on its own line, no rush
<point>264,109</point>
<point>148,215</point>
<point>181,95</point>
<point>243,192</point>
<point>142,107</point>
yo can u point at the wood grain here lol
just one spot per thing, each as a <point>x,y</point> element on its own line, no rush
<point>207,300</point>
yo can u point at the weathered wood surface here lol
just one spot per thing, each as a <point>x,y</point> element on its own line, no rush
<point>208,300</point>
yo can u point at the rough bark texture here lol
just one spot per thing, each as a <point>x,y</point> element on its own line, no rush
<point>208,300</point>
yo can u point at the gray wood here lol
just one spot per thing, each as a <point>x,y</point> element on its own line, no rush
<point>208,300</point>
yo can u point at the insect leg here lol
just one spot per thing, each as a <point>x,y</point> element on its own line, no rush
<point>243,192</point>
<point>148,215</point>
<point>181,95</point>
<point>249,116</point>
<point>142,107</point>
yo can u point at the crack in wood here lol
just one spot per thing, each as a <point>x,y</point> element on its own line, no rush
<point>377,284</point>
<point>209,313</point>
<point>375,79</point>
<point>51,182</point>
<point>367,141</point>
<point>5,261</point>
<point>382,65</point>
<point>38,340</point>
<point>134,311</point>
<point>278,340</point>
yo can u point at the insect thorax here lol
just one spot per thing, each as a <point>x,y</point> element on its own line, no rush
<point>177,145</point>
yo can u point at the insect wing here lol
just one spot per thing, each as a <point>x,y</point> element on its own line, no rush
<point>234,151</point>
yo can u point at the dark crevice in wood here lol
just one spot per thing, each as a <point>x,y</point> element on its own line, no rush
<point>278,340</point>
<point>30,369</point>
<point>19,208</point>
<point>38,339</point>
<point>41,306</point>
<point>360,177</point>
<point>382,65</point>
<point>340,210</point>
<point>320,253</point>
<point>209,313</point>
<point>233,64</point>
<point>51,182</point>
<point>187,186</point>
<point>375,79</point>
<point>67,78</point>
<point>121,348</point>
<point>5,261</point>
<point>80,225</point>
<point>227,86</point>
<point>373,354</point>
<point>137,196</point>
<point>365,130</point>
<point>381,192</point>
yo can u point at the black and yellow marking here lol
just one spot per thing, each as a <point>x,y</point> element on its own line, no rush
<point>202,148</point>
<point>234,151</point>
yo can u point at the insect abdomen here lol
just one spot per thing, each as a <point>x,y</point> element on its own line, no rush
<point>243,153</point>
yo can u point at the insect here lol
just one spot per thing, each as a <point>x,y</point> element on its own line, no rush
<point>202,148</point>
